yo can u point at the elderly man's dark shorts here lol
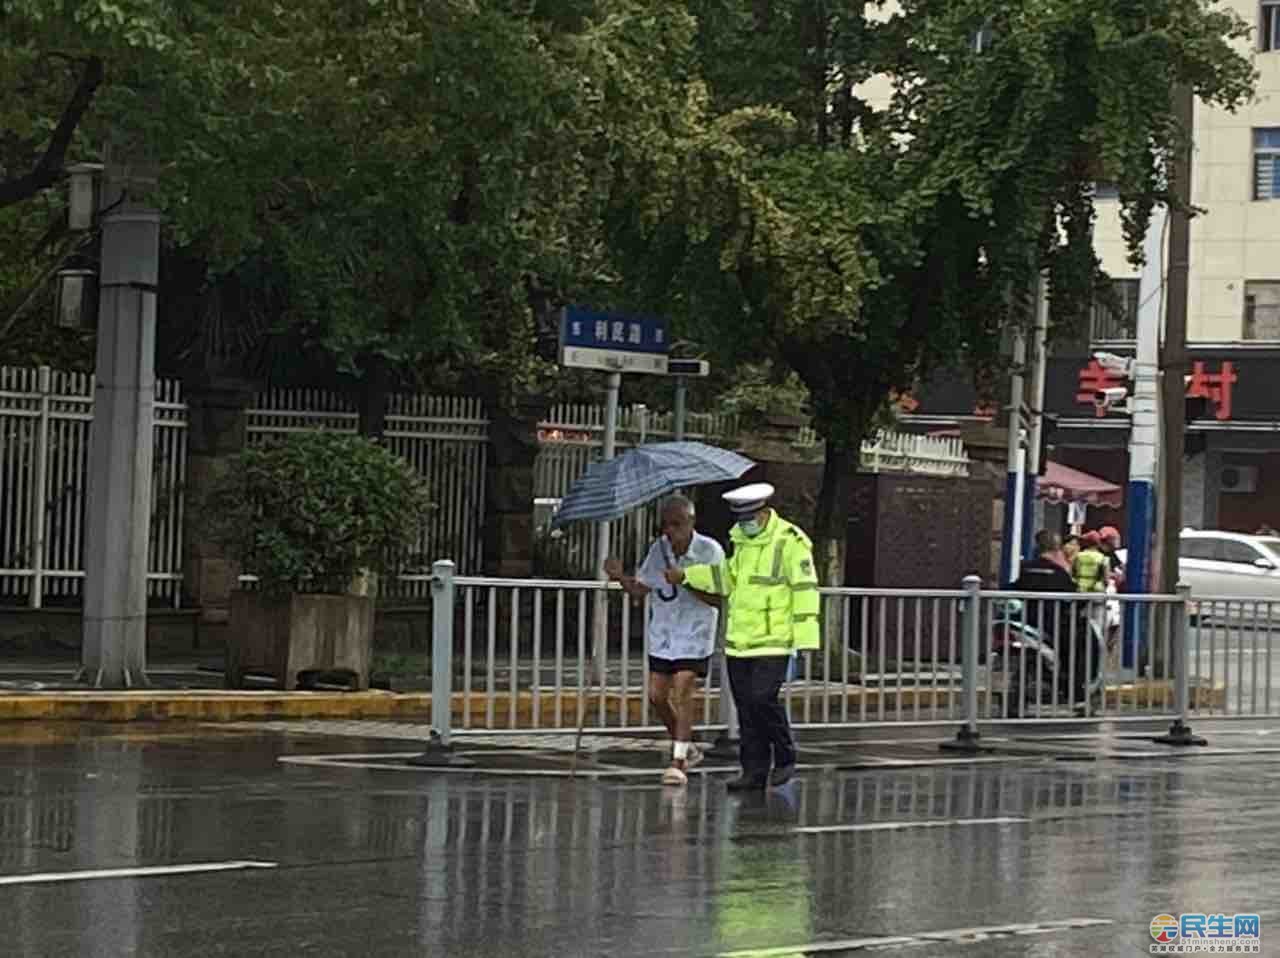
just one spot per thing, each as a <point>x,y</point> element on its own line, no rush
<point>671,666</point>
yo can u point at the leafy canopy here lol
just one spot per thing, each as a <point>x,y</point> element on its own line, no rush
<point>874,196</point>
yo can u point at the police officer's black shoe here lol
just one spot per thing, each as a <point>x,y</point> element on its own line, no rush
<point>782,774</point>
<point>747,783</point>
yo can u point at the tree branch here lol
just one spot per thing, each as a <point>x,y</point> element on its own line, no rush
<point>49,168</point>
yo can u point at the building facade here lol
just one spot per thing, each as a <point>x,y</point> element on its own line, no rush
<point>1232,474</point>
<point>1232,478</point>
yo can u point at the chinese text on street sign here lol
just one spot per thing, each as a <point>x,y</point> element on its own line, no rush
<point>615,342</point>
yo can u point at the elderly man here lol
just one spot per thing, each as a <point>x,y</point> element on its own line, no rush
<point>682,627</point>
<point>773,598</point>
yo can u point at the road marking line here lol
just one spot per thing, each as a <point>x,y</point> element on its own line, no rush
<point>898,826</point>
<point>146,872</point>
<point>954,935</point>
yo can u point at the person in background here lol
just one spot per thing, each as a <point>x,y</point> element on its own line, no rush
<point>1070,549</point>
<point>772,590</point>
<point>1090,570</point>
<point>1048,571</point>
<point>682,627</point>
<point>1109,546</point>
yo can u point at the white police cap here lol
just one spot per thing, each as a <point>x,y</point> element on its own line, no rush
<point>748,499</point>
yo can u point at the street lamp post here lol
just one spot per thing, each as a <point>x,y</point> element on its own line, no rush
<point>118,508</point>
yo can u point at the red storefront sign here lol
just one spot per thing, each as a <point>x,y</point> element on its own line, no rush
<point>1201,384</point>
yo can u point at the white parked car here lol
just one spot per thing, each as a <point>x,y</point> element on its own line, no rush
<point>1229,565</point>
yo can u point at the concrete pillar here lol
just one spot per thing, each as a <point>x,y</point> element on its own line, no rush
<point>118,507</point>
<point>1194,486</point>
<point>217,428</point>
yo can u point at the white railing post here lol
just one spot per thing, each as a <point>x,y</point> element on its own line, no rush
<point>39,481</point>
<point>440,746</point>
<point>966,739</point>
<point>1180,732</point>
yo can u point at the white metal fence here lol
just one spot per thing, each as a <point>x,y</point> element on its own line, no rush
<point>517,655</point>
<point>44,452</point>
<point>45,418</point>
<point>889,451</point>
<point>445,439</point>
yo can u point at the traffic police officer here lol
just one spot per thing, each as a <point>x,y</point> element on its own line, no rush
<point>773,602</point>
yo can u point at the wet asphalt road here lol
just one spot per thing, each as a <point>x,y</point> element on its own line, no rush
<point>381,862</point>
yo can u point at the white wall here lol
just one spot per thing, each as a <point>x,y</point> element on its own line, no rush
<point>1237,238</point>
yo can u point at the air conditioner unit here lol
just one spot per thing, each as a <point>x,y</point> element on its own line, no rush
<point>1238,479</point>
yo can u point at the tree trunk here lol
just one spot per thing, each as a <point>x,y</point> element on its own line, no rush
<point>832,515</point>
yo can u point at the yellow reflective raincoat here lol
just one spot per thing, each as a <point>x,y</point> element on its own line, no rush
<point>1089,570</point>
<point>772,589</point>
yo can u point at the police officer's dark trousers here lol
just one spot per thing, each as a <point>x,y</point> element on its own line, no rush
<point>766,732</point>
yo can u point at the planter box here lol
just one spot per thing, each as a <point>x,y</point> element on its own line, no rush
<point>300,633</point>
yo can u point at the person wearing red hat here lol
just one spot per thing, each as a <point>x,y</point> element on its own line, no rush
<point>1109,545</point>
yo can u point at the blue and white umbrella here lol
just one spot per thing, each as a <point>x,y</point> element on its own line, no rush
<point>611,489</point>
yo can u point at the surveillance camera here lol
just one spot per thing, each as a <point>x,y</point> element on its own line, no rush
<point>1112,396</point>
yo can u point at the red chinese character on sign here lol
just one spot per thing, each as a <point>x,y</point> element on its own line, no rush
<point>1093,379</point>
<point>1215,387</point>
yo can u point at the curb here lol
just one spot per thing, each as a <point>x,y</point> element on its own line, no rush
<point>504,710</point>
<point>219,706</point>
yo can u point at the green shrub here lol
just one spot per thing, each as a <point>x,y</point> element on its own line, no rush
<point>311,512</point>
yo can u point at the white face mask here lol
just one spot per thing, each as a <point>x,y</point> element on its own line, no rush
<point>750,527</point>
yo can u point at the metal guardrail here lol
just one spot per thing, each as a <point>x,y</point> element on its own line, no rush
<point>527,654</point>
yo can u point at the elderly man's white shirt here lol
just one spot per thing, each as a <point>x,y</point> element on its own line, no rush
<point>681,626</point>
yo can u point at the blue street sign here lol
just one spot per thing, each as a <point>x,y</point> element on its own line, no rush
<point>619,342</point>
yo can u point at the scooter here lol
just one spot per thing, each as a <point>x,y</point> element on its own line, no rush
<point>1026,661</point>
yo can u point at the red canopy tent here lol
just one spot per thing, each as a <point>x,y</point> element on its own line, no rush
<point>1063,484</point>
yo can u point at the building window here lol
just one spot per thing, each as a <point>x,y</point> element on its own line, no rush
<point>1115,318</point>
<point>1266,164</point>
<point>1262,310</point>
<point>1269,27</point>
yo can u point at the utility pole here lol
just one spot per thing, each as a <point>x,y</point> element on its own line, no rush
<point>682,393</point>
<point>1014,490</point>
<point>1173,364</point>
<point>1035,445</point>
<point>118,509</point>
<point>1144,435</point>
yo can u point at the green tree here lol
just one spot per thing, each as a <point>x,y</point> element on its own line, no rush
<point>389,183</point>
<point>866,244</point>
<point>373,189</point>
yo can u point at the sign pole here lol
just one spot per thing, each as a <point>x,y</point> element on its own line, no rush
<point>682,392</point>
<point>612,386</point>
<point>1144,434</point>
<point>1013,489</point>
<point>600,643</point>
<point>1039,369</point>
